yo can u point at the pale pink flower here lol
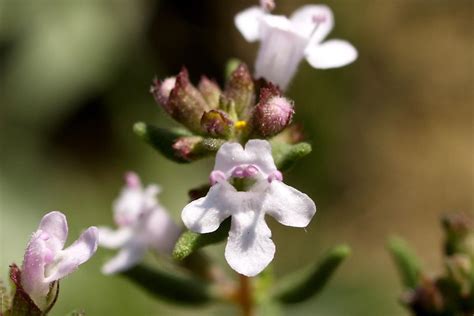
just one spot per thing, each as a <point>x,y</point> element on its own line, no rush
<point>45,259</point>
<point>249,246</point>
<point>284,42</point>
<point>142,224</point>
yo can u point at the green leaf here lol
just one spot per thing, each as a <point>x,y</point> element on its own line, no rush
<point>170,287</point>
<point>191,241</point>
<point>406,261</point>
<point>161,139</point>
<point>286,155</point>
<point>208,145</point>
<point>302,285</point>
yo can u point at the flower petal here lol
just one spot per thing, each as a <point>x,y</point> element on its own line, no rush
<point>257,152</point>
<point>125,259</point>
<point>249,247</point>
<point>204,215</point>
<point>113,239</point>
<point>288,206</point>
<point>70,258</point>
<point>331,54</point>
<point>32,271</point>
<point>54,224</point>
<point>313,22</point>
<point>229,156</point>
<point>248,23</point>
<point>162,231</point>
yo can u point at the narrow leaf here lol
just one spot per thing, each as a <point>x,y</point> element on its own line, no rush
<point>170,287</point>
<point>303,285</point>
<point>286,155</point>
<point>161,139</point>
<point>406,261</point>
<point>190,241</point>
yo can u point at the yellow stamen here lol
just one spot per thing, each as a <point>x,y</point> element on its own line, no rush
<point>240,124</point>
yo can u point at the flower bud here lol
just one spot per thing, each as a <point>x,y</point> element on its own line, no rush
<point>181,100</point>
<point>459,232</point>
<point>161,90</point>
<point>216,123</point>
<point>210,91</point>
<point>272,113</point>
<point>240,88</point>
<point>426,299</point>
<point>185,147</point>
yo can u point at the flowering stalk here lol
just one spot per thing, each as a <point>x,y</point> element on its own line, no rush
<point>246,127</point>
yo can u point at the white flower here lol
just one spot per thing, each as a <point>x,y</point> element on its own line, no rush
<point>45,259</point>
<point>142,224</point>
<point>259,191</point>
<point>285,42</point>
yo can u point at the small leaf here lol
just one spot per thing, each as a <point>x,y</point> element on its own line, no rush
<point>170,287</point>
<point>303,285</point>
<point>209,145</point>
<point>406,261</point>
<point>191,241</point>
<point>286,155</point>
<point>161,139</point>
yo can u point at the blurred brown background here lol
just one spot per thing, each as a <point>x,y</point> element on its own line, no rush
<point>392,133</point>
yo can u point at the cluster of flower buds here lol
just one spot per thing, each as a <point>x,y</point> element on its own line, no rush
<point>244,109</point>
<point>451,293</point>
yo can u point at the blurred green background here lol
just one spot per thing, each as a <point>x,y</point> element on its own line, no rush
<point>392,133</point>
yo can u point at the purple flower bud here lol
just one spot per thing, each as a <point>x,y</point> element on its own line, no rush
<point>272,113</point>
<point>216,123</point>
<point>210,91</point>
<point>161,90</point>
<point>184,147</point>
<point>240,88</point>
<point>181,100</point>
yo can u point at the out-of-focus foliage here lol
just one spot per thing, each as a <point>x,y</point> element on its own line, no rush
<point>391,134</point>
